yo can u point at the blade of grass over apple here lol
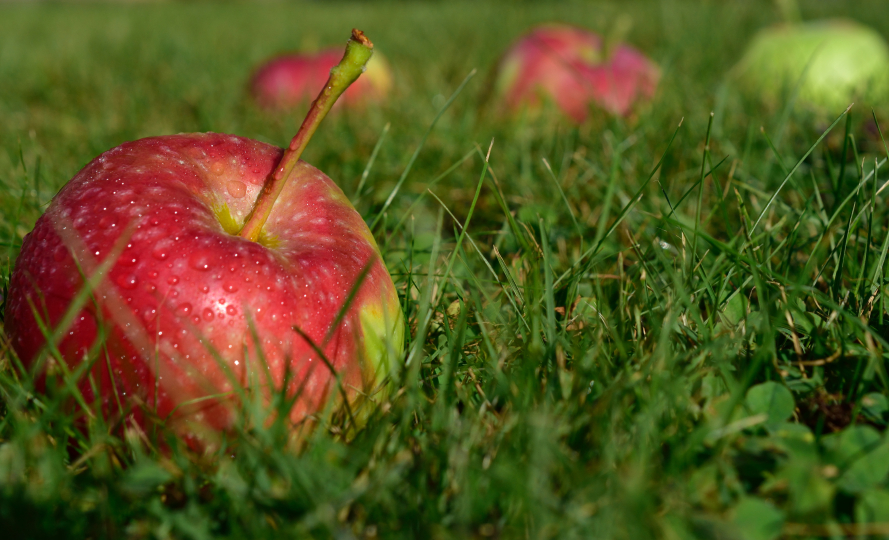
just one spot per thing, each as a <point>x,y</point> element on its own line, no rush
<point>347,303</point>
<point>336,374</point>
<point>358,51</point>
<point>94,275</point>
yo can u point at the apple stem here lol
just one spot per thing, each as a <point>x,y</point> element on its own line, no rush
<point>789,11</point>
<point>358,51</point>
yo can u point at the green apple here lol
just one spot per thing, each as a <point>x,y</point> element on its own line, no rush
<point>827,65</point>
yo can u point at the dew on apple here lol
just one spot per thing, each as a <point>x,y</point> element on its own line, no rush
<point>200,261</point>
<point>236,188</point>
<point>127,282</point>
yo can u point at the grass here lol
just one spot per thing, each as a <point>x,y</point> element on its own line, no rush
<point>668,326</point>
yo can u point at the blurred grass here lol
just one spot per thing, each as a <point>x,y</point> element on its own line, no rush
<point>603,365</point>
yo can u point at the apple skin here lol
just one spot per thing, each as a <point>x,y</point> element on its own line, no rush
<point>183,285</point>
<point>291,80</point>
<point>566,65</point>
<point>834,62</point>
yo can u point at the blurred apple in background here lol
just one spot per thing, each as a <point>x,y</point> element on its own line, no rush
<point>826,64</point>
<point>291,80</point>
<point>572,68</point>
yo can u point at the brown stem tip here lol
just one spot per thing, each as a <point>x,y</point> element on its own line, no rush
<point>359,36</point>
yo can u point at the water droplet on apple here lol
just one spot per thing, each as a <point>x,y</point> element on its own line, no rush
<point>127,282</point>
<point>161,251</point>
<point>184,309</point>
<point>217,167</point>
<point>205,289</point>
<point>148,314</point>
<point>172,280</point>
<point>230,287</point>
<point>230,309</point>
<point>127,260</point>
<point>208,314</point>
<point>200,260</point>
<point>236,188</point>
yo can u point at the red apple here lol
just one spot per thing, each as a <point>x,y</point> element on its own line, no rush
<point>293,79</point>
<point>568,66</point>
<point>226,263</point>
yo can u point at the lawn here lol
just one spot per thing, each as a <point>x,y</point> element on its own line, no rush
<point>671,325</point>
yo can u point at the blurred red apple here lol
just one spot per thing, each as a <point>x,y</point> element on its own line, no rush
<point>293,79</point>
<point>826,64</point>
<point>568,66</point>
<point>217,265</point>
